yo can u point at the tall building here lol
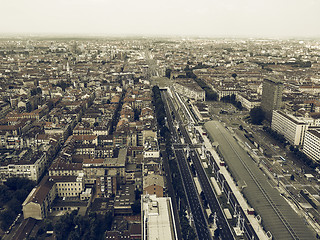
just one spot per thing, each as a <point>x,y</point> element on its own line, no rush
<point>311,146</point>
<point>291,127</point>
<point>271,97</point>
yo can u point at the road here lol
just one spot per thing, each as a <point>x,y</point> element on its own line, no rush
<point>222,223</point>
<point>198,216</point>
<point>225,230</point>
<point>193,199</point>
<point>211,198</point>
<point>171,191</point>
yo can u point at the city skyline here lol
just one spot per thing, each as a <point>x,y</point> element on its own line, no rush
<point>248,18</point>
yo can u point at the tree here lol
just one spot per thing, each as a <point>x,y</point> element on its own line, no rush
<point>6,218</point>
<point>137,194</point>
<point>28,107</point>
<point>5,195</point>
<point>216,233</point>
<point>238,105</point>
<point>48,225</point>
<point>108,218</point>
<point>187,68</point>
<point>168,73</point>
<point>19,183</point>
<point>21,194</point>
<point>14,205</point>
<point>137,113</point>
<point>292,177</point>
<point>50,105</point>
<point>136,207</point>
<point>40,231</point>
<point>33,92</point>
<point>233,98</point>
<point>257,115</point>
<point>234,75</point>
<point>39,91</point>
<point>292,148</point>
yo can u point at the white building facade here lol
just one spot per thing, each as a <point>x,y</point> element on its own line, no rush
<point>192,91</point>
<point>292,128</point>
<point>311,146</point>
<point>157,218</point>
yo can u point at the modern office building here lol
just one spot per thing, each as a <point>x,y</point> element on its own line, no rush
<point>311,146</point>
<point>157,218</point>
<point>271,97</point>
<point>291,127</point>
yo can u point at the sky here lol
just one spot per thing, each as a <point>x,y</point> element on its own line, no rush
<point>203,18</point>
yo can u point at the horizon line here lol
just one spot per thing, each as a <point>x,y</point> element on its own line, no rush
<point>121,35</point>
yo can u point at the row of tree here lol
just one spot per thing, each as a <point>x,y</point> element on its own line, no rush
<point>232,99</point>
<point>62,84</point>
<point>210,94</point>
<point>257,115</point>
<point>161,119</point>
<point>116,115</point>
<point>36,91</point>
<point>159,106</point>
<point>303,157</point>
<point>92,226</point>
<point>279,137</point>
<point>12,194</point>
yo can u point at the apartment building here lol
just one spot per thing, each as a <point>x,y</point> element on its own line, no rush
<point>151,148</point>
<point>311,146</point>
<point>249,101</point>
<point>69,186</point>
<point>293,128</point>
<point>39,201</point>
<point>153,184</point>
<point>189,88</point>
<point>63,168</point>
<point>23,163</point>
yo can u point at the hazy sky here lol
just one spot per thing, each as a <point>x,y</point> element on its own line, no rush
<point>216,18</point>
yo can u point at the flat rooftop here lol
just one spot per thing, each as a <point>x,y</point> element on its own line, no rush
<point>189,83</point>
<point>157,215</point>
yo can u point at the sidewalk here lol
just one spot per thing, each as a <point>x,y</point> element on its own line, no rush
<point>242,201</point>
